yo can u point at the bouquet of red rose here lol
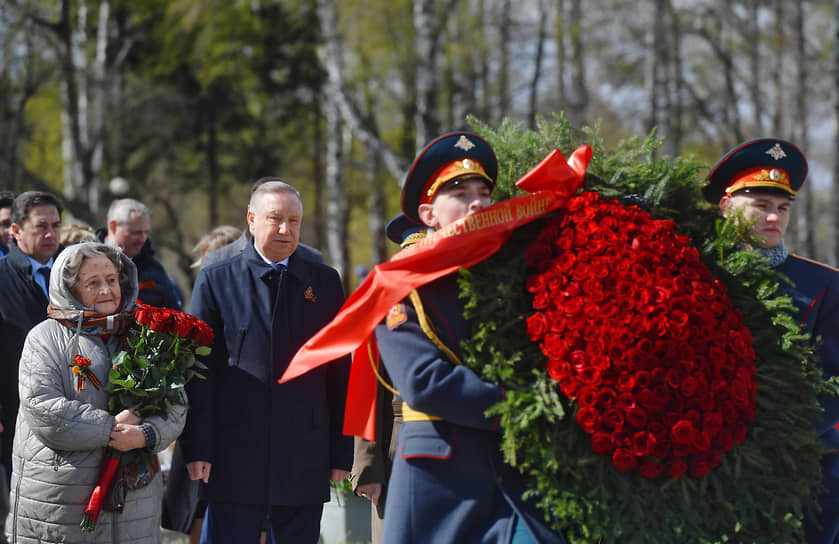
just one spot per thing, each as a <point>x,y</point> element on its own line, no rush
<point>158,359</point>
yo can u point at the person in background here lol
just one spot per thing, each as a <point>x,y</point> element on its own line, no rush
<point>6,199</point>
<point>63,428</point>
<point>266,451</point>
<point>24,284</point>
<point>215,239</point>
<point>182,511</point>
<point>449,481</point>
<point>75,231</point>
<point>372,461</point>
<point>129,222</point>
<point>758,181</point>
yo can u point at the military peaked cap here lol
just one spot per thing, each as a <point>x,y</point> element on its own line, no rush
<point>764,165</point>
<point>447,160</point>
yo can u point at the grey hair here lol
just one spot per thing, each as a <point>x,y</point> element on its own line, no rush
<point>121,210</point>
<point>275,186</point>
<point>70,273</point>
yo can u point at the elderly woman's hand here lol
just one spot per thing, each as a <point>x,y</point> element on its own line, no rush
<point>128,417</point>
<point>127,437</point>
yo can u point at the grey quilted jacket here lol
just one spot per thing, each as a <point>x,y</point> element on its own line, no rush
<point>61,435</point>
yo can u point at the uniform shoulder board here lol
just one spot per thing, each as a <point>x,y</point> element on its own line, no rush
<point>817,263</point>
<point>396,316</point>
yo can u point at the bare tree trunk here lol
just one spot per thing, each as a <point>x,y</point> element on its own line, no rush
<point>537,64</point>
<point>338,95</point>
<point>336,200</point>
<point>833,235</point>
<point>83,101</point>
<point>98,95</point>
<point>337,213</point>
<point>779,70</point>
<point>504,26</point>
<point>561,54</point>
<point>673,144</point>
<point>653,59</point>
<point>376,210</point>
<point>804,214</point>
<point>731,111</point>
<point>318,175</point>
<point>426,76</point>
<point>754,64</point>
<point>578,99</point>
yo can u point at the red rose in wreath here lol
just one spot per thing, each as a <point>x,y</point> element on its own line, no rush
<point>641,334</point>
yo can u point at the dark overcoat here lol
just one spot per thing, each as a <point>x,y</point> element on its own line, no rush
<point>23,305</point>
<point>449,482</point>
<point>815,292</point>
<point>268,443</point>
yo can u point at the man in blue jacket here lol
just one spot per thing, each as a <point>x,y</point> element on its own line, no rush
<point>266,452</point>
<point>761,178</point>
<point>6,199</point>
<point>129,222</point>
<point>449,482</point>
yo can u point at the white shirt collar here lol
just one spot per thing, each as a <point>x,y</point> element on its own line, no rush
<point>270,263</point>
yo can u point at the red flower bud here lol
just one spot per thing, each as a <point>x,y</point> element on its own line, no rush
<point>624,460</point>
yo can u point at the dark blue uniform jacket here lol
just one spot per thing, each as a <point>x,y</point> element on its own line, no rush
<point>268,443</point>
<point>815,292</point>
<point>449,482</point>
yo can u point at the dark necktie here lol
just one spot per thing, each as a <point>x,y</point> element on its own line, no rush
<point>44,272</point>
<point>274,282</point>
<point>279,322</point>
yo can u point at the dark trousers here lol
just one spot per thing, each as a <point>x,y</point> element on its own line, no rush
<point>226,523</point>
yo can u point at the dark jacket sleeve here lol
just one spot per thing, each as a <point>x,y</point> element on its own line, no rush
<point>338,372</point>
<point>198,438</point>
<point>826,328</point>
<point>429,382</point>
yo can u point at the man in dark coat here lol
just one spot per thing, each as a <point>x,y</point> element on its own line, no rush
<point>129,222</point>
<point>24,283</point>
<point>761,178</point>
<point>266,452</point>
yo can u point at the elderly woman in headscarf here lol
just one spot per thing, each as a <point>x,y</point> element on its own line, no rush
<point>63,428</point>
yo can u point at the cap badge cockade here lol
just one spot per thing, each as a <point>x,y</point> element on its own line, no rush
<point>464,143</point>
<point>776,152</point>
<point>774,174</point>
<point>467,164</point>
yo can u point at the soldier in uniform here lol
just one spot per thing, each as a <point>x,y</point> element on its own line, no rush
<point>372,460</point>
<point>761,179</point>
<point>449,482</point>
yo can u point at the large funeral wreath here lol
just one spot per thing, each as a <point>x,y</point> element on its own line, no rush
<point>658,389</point>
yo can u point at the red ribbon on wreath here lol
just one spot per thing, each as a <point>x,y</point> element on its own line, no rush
<point>460,245</point>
